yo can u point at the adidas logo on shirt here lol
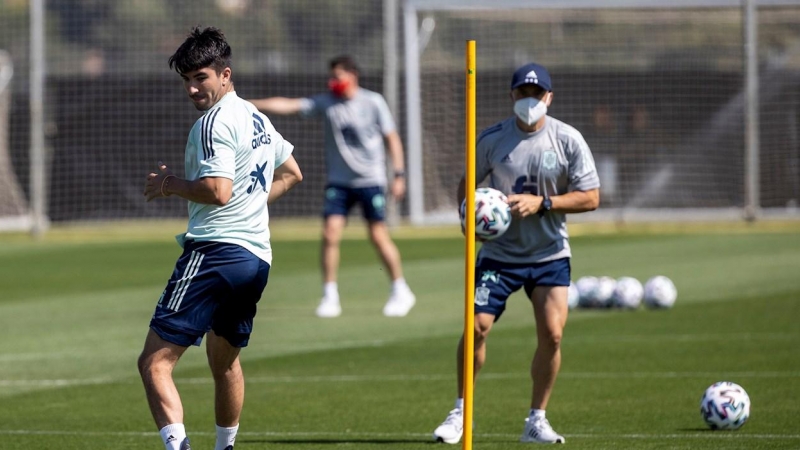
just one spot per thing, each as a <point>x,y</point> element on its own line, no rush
<point>260,133</point>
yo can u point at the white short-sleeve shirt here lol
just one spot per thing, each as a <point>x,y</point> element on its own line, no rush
<point>234,140</point>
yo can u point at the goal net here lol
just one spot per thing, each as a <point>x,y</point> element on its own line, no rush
<point>113,108</point>
<point>13,204</point>
<point>656,91</point>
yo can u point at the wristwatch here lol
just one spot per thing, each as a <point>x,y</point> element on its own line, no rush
<point>547,204</point>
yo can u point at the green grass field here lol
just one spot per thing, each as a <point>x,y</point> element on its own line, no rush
<point>74,313</point>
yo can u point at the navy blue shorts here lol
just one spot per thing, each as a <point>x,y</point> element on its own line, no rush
<point>495,281</point>
<point>215,286</point>
<point>339,200</point>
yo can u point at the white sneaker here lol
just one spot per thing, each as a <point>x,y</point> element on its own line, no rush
<point>539,430</point>
<point>399,304</point>
<point>329,307</point>
<point>451,429</point>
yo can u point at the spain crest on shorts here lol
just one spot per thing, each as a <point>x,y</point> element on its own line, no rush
<point>482,295</point>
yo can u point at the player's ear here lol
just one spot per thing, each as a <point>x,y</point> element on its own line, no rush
<point>225,75</point>
<point>549,98</point>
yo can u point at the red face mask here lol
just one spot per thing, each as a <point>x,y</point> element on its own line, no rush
<point>337,87</point>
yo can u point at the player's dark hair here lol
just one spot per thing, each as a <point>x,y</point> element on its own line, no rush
<point>201,49</point>
<point>346,63</point>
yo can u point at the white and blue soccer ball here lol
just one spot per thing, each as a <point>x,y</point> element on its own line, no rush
<point>492,213</point>
<point>725,406</point>
<point>660,292</point>
<point>604,297</point>
<point>587,291</point>
<point>595,292</point>
<point>628,293</point>
<point>573,296</point>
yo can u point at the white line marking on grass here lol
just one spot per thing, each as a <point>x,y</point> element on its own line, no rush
<point>684,337</point>
<point>500,376</point>
<point>58,382</point>
<point>367,435</point>
<point>402,378</point>
<point>705,435</point>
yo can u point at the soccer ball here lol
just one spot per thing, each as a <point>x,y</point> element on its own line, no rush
<point>604,296</point>
<point>573,296</point>
<point>587,291</point>
<point>628,293</point>
<point>595,292</point>
<point>660,292</point>
<point>725,406</point>
<point>492,213</point>
<point>587,287</point>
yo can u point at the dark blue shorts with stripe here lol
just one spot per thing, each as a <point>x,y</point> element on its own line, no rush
<point>215,286</point>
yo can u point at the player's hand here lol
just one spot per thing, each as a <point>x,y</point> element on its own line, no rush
<point>155,182</point>
<point>398,188</point>
<point>524,205</point>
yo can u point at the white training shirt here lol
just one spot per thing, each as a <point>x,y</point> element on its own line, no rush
<point>234,140</point>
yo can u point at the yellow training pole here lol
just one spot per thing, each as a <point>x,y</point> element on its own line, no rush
<point>469,238</point>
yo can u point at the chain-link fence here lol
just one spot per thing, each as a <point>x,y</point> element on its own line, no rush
<point>657,92</point>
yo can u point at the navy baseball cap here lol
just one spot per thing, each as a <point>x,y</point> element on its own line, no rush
<point>532,74</point>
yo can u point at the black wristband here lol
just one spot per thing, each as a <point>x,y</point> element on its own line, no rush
<point>399,173</point>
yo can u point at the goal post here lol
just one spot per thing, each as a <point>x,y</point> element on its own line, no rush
<point>663,92</point>
<point>13,204</point>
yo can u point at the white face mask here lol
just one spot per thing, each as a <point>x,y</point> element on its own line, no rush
<point>530,110</point>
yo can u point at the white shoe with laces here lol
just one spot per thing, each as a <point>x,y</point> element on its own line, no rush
<point>539,431</point>
<point>329,307</point>
<point>400,303</point>
<point>451,429</point>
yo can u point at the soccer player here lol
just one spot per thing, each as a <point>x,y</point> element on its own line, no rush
<point>357,122</point>
<point>236,163</point>
<point>546,169</point>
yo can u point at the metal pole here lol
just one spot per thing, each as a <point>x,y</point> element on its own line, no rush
<point>416,204</point>
<point>390,85</point>
<point>751,119</point>
<point>37,149</point>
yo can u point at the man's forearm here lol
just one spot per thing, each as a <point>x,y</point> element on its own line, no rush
<point>278,105</point>
<point>576,201</point>
<point>198,191</point>
<point>281,186</point>
<point>395,147</point>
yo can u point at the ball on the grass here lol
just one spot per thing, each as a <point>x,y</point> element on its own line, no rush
<point>725,406</point>
<point>573,296</point>
<point>628,293</point>
<point>660,292</point>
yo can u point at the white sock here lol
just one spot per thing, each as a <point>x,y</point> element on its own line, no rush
<point>225,437</point>
<point>331,290</point>
<point>172,435</point>
<point>460,403</point>
<point>536,414</point>
<point>399,285</point>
